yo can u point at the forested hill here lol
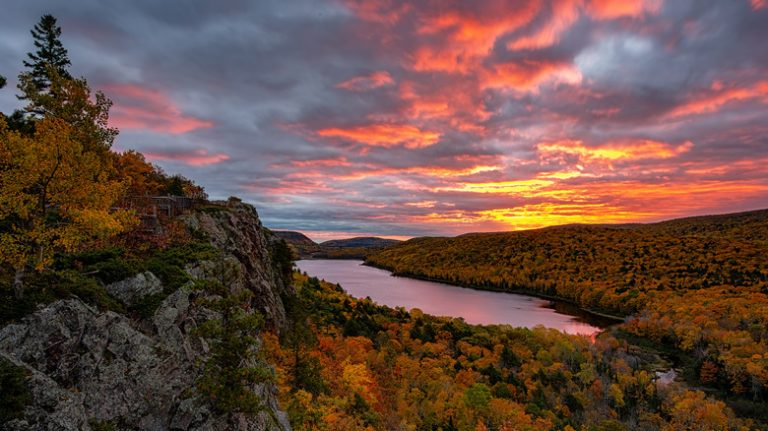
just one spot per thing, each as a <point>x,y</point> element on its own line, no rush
<point>610,268</point>
<point>349,248</point>
<point>360,241</point>
<point>698,285</point>
<point>294,237</point>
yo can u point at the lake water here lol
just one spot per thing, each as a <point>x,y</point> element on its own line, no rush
<point>475,306</point>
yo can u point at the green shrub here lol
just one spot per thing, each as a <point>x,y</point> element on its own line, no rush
<point>168,265</point>
<point>115,269</point>
<point>42,288</point>
<point>146,306</point>
<point>85,258</point>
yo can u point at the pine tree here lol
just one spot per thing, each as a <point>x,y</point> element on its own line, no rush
<point>50,54</point>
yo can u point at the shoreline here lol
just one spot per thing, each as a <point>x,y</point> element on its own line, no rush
<point>593,313</point>
<point>600,319</point>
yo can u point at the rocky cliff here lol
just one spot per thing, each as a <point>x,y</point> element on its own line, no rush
<point>90,369</point>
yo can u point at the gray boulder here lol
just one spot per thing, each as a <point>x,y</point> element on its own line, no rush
<point>133,289</point>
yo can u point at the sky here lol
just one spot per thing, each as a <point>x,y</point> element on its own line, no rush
<point>342,118</point>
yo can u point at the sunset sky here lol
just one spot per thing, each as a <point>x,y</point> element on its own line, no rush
<point>343,118</point>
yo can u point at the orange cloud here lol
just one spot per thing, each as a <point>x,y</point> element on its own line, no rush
<point>462,108</point>
<point>329,162</point>
<point>564,14</point>
<point>719,97</point>
<point>421,204</point>
<point>611,9</point>
<point>615,151</point>
<point>141,108</point>
<point>381,11</point>
<point>384,135</point>
<point>192,158</point>
<point>519,187</point>
<point>369,171</point>
<point>468,37</point>
<point>526,75</point>
<point>367,82</point>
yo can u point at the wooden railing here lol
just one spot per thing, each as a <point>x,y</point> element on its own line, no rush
<point>151,209</point>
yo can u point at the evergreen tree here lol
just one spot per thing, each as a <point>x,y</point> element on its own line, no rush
<point>69,99</point>
<point>2,81</point>
<point>50,54</point>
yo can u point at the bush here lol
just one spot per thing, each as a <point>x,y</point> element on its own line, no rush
<point>146,306</point>
<point>168,265</point>
<point>42,288</point>
<point>90,257</point>
<point>115,269</point>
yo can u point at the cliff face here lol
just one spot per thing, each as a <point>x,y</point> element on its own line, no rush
<point>238,233</point>
<point>90,369</point>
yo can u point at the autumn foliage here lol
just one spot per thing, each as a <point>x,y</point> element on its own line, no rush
<point>377,368</point>
<point>54,195</point>
<point>698,284</point>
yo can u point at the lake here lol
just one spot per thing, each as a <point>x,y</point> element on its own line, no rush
<point>475,306</point>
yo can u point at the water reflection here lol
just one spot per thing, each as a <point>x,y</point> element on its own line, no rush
<point>475,306</point>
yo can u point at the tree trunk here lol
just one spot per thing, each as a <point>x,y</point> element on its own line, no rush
<point>18,282</point>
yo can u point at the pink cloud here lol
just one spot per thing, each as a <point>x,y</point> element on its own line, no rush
<point>718,96</point>
<point>143,108</point>
<point>383,135</point>
<point>564,14</point>
<point>611,9</point>
<point>199,157</point>
<point>367,82</point>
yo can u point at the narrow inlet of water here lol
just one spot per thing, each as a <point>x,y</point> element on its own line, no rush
<point>439,299</point>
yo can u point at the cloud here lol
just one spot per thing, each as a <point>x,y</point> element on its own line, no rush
<point>714,98</point>
<point>383,135</point>
<point>611,152</point>
<point>563,15</point>
<point>611,9</point>
<point>432,117</point>
<point>139,107</point>
<point>367,82</point>
<point>193,158</point>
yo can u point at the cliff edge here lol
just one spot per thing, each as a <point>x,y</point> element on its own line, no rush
<point>92,369</point>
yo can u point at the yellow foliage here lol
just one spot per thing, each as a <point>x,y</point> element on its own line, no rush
<point>691,410</point>
<point>53,195</point>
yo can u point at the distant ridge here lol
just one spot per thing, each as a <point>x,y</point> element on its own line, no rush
<point>692,224</point>
<point>348,248</point>
<point>361,241</point>
<point>294,237</point>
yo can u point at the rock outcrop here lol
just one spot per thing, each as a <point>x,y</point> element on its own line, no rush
<point>135,288</point>
<point>88,367</point>
<point>238,233</point>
